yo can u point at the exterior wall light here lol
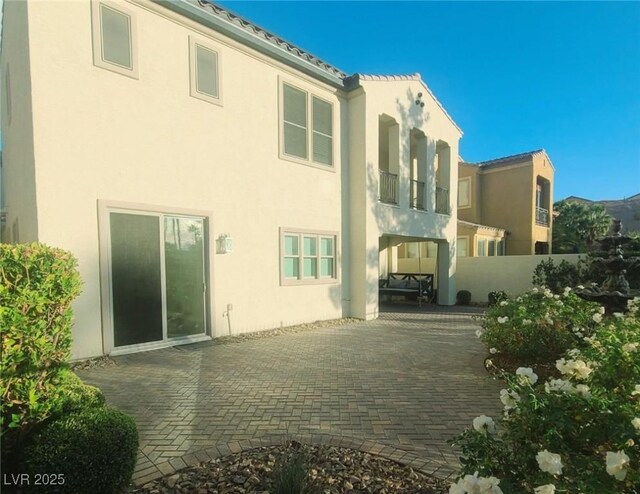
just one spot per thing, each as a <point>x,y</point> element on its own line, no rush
<point>224,244</point>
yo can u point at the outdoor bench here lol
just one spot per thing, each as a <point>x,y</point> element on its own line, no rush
<point>411,286</point>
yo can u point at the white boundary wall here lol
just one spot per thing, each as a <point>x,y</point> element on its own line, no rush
<point>481,275</point>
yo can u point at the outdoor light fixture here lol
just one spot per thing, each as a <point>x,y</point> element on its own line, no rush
<point>224,244</point>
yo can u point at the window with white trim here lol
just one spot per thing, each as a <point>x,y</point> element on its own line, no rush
<point>307,257</point>
<point>205,72</point>
<point>114,43</point>
<point>482,247</point>
<point>464,192</point>
<point>307,126</point>
<point>462,246</point>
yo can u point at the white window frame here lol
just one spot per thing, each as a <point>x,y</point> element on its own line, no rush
<point>193,79</point>
<point>468,180</point>
<point>96,27</point>
<point>466,239</point>
<point>309,127</point>
<point>301,279</point>
<point>480,240</point>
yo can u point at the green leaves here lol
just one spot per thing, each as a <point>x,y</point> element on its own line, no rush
<point>37,286</point>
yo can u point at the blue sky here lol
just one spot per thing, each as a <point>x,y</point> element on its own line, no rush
<point>515,76</point>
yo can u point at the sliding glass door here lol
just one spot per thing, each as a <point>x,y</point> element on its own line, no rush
<point>157,277</point>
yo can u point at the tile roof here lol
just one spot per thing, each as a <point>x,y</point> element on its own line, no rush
<point>263,34</point>
<point>478,225</point>
<point>508,160</point>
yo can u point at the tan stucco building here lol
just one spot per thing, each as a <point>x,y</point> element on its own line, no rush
<point>210,177</point>
<point>505,205</point>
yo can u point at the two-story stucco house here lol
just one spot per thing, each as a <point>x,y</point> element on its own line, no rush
<point>505,205</point>
<point>210,177</point>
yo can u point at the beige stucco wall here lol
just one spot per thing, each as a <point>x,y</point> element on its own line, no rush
<point>396,99</point>
<point>481,275</point>
<point>473,212</point>
<point>17,131</point>
<point>103,136</point>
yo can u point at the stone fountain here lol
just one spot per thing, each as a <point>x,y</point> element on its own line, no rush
<point>614,293</point>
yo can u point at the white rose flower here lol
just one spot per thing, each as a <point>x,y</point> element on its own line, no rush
<point>509,399</point>
<point>618,315</point>
<point>617,464</point>
<point>503,303</point>
<point>488,485</point>
<point>549,462</point>
<point>580,287</point>
<point>574,352</point>
<point>458,488</point>
<point>558,385</point>
<point>549,320</point>
<point>580,369</point>
<point>519,299</point>
<point>583,390</point>
<point>601,310</point>
<point>502,320</point>
<point>630,347</point>
<point>479,333</point>
<point>484,424</point>
<point>493,351</point>
<point>597,318</point>
<point>545,489</point>
<point>526,321</point>
<point>636,423</point>
<point>637,390</point>
<point>559,303</point>
<point>528,374</point>
<point>534,290</point>
<point>562,366</point>
<point>556,297</point>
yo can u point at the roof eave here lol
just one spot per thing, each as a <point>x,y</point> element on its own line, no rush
<point>192,10</point>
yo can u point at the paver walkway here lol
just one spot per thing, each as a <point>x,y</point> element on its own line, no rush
<point>399,386</point>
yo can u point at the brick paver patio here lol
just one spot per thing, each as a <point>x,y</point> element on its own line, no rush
<point>399,386</point>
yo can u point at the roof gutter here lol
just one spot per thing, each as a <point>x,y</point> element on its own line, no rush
<point>192,10</point>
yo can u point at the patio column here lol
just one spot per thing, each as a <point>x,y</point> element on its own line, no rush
<point>446,273</point>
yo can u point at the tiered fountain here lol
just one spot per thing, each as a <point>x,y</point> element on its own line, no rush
<point>614,293</point>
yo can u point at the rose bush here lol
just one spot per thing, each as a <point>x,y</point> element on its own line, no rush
<point>579,433</point>
<point>538,326</point>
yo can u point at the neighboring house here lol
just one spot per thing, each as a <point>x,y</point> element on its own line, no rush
<point>505,205</point>
<point>627,210</point>
<point>210,177</point>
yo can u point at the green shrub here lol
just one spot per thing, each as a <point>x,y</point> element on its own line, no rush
<point>497,297</point>
<point>575,434</point>
<point>75,395</point>
<point>94,449</point>
<point>37,285</point>
<point>291,473</point>
<point>463,297</point>
<point>558,276</point>
<point>538,326</point>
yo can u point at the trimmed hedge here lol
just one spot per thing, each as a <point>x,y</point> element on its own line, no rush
<point>37,285</point>
<point>94,449</point>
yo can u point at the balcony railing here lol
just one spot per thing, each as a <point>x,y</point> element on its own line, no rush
<point>542,217</point>
<point>442,200</point>
<point>417,195</point>
<point>388,187</point>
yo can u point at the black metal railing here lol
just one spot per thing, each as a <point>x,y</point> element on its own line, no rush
<point>542,217</point>
<point>417,195</point>
<point>388,187</point>
<point>442,200</point>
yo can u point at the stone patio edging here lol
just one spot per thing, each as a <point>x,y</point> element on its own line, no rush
<point>148,471</point>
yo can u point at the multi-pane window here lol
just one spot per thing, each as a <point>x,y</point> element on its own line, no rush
<point>492,247</point>
<point>307,257</point>
<point>501,247</point>
<point>114,39</point>
<point>307,124</point>
<point>205,72</point>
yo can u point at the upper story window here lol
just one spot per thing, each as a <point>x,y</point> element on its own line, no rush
<point>464,192</point>
<point>205,74</point>
<point>307,126</point>
<point>114,43</point>
<point>462,246</point>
